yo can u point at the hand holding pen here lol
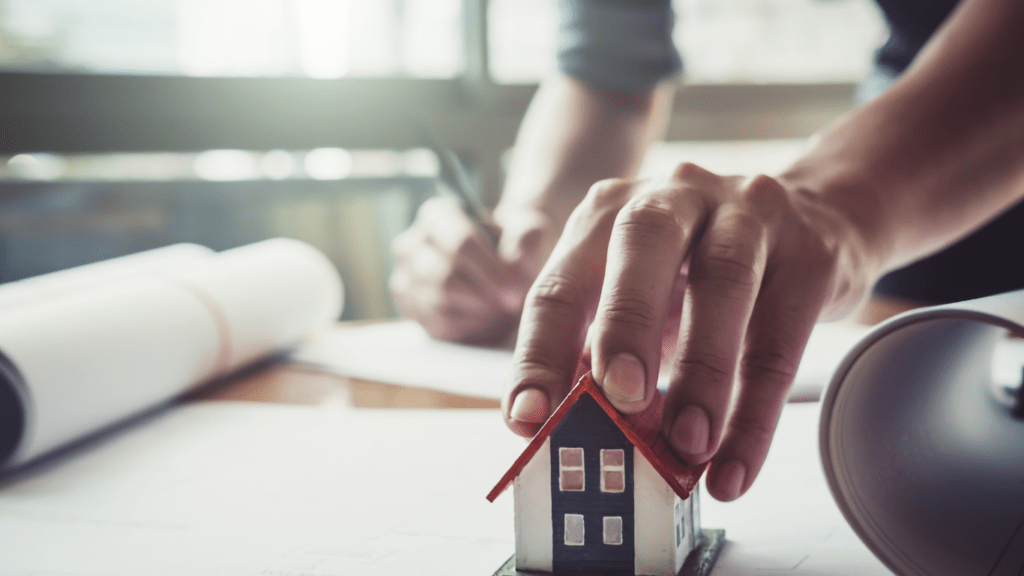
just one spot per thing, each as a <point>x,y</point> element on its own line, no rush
<point>459,272</point>
<point>453,175</point>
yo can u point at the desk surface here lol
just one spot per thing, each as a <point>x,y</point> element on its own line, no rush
<point>287,384</point>
<point>767,533</point>
<point>296,480</point>
<point>270,489</point>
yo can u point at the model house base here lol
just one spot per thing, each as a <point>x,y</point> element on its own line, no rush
<point>699,563</point>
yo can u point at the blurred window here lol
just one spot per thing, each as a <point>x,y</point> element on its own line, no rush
<point>720,40</point>
<point>60,210</point>
<point>523,39</point>
<point>312,38</point>
<point>64,210</point>
<point>724,157</point>
<point>219,165</point>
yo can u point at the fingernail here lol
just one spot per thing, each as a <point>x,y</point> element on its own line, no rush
<point>624,379</point>
<point>691,431</point>
<point>731,479</point>
<point>530,405</point>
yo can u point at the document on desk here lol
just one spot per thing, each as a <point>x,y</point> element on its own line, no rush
<point>247,489</point>
<point>84,348</point>
<point>402,353</point>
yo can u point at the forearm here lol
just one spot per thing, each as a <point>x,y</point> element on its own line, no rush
<point>574,135</point>
<point>941,152</point>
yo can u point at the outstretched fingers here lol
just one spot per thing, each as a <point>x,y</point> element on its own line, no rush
<point>759,270</point>
<point>448,278</point>
<point>782,321</point>
<point>649,242</point>
<point>559,308</point>
<point>724,280</point>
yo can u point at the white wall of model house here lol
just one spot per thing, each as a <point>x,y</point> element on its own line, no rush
<point>532,493</point>
<point>664,524</point>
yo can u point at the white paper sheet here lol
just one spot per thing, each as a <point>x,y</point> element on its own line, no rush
<point>248,489</point>
<point>402,353</point>
<point>245,489</point>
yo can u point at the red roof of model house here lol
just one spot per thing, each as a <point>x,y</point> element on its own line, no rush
<point>642,430</point>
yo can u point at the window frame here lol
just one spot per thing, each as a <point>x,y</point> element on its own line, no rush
<point>619,468</point>
<point>563,468</point>
<point>604,530</point>
<point>583,529</point>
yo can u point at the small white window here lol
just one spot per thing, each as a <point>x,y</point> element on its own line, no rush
<point>574,529</point>
<point>613,470</point>
<point>571,477</point>
<point>613,530</point>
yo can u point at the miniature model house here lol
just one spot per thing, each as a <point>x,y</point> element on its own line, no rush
<point>600,492</point>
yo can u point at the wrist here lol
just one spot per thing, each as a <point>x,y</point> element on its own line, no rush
<point>853,228</point>
<point>862,206</point>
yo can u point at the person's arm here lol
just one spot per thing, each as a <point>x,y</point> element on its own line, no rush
<point>573,135</point>
<point>590,122</point>
<point>939,153</point>
<point>760,260</point>
<point>446,276</point>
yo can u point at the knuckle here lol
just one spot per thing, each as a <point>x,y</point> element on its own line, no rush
<point>754,428</point>
<point>686,171</point>
<point>529,241</point>
<point>729,265</point>
<point>707,367</point>
<point>771,367</point>
<point>634,313</point>
<point>609,193</point>
<point>557,292</point>
<point>541,364</point>
<point>762,189</point>
<point>648,221</point>
<point>733,253</point>
<point>538,363</point>
<point>743,226</point>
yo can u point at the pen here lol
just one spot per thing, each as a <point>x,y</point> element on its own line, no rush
<point>453,175</point>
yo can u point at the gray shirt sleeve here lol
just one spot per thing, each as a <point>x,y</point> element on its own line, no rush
<point>617,44</point>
